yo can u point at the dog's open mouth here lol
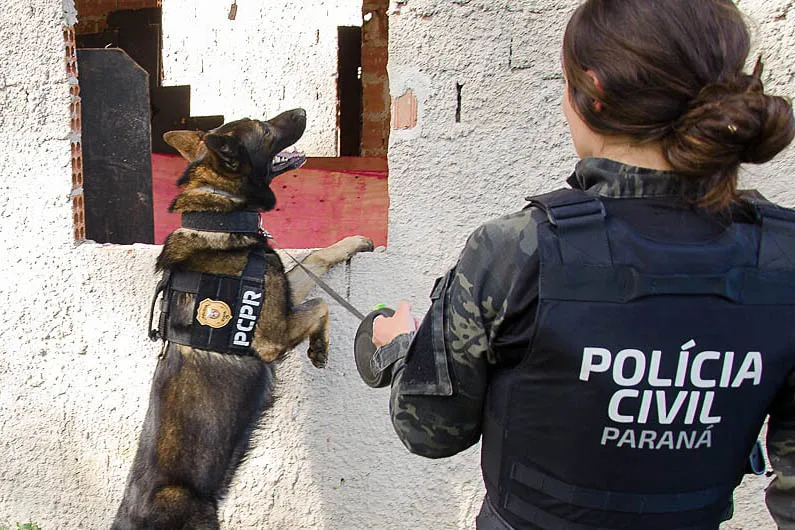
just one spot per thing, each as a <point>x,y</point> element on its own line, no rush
<point>287,160</point>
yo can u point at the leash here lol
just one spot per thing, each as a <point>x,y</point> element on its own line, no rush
<point>320,283</point>
<point>370,362</point>
<point>250,222</point>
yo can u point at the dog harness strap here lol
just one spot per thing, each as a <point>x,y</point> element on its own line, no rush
<point>250,296</point>
<point>255,266</point>
<point>162,285</point>
<point>186,282</point>
<point>245,222</point>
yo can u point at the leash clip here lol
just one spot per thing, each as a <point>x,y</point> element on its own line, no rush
<point>264,233</point>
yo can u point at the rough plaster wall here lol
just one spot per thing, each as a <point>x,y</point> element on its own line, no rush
<point>272,57</point>
<point>510,141</point>
<point>75,365</point>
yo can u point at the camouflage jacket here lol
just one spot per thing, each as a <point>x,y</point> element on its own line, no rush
<point>482,315</point>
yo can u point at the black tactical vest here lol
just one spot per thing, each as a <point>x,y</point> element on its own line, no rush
<point>224,308</point>
<point>649,375</point>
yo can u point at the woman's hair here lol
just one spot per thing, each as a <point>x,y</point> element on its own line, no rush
<point>671,71</point>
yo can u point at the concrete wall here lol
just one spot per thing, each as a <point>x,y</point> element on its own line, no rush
<point>75,364</point>
<point>272,57</point>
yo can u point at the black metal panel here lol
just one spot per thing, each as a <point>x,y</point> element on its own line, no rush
<point>117,161</point>
<point>171,111</point>
<point>349,89</point>
<point>137,32</point>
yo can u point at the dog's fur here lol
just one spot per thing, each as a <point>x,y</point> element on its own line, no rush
<point>204,405</point>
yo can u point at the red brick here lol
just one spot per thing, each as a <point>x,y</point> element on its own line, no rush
<point>374,106</point>
<point>375,97</point>
<point>375,32</point>
<point>375,144</point>
<point>373,132</point>
<point>374,79</point>
<point>137,4</point>
<point>88,8</point>
<point>69,36</point>
<point>75,110</point>
<point>93,24</point>
<point>374,59</point>
<point>404,111</point>
<point>373,151</point>
<point>369,5</point>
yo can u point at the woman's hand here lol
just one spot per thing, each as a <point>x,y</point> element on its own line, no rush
<point>385,329</point>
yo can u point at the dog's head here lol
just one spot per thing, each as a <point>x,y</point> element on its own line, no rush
<point>240,158</point>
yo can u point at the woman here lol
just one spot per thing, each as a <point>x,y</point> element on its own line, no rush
<point>619,344</point>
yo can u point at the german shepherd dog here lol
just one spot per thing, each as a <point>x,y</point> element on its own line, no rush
<point>204,405</point>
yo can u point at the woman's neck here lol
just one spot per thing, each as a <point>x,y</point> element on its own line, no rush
<point>631,153</point>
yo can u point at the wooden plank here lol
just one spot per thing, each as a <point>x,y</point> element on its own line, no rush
<point>116,147</point>
<point>166,170</point>
<point>347,163</point>
<point>324,201</point>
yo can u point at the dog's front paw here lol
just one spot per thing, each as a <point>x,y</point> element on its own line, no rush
<point>318,351</point>
<point>355,244</point>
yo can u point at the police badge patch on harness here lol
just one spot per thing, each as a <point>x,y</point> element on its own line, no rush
<point>213,313</point>
<point>225,310</point>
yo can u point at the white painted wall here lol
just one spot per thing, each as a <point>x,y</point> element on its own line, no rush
<point>274,56</point>
<point>75,364</point>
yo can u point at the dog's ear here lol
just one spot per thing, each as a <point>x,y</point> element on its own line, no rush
<point>188,143</point>
<point>226,148</point>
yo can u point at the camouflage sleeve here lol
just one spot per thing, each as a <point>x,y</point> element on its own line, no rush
<point>437,421</point>
<point>780,494</point>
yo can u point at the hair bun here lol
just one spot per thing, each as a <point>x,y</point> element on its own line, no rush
<point>730,123</point>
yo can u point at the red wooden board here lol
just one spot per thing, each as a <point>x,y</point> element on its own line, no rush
<point>324,201</point>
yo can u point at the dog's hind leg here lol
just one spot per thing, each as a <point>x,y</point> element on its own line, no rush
<point>310,319</point>
<point>203,407</point>
<point>321,261</point>
<point>192,513</point>
<point>171,508</point>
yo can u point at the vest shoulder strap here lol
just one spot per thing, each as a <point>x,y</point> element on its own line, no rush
<point>578,219</point>
<point>777,243</point>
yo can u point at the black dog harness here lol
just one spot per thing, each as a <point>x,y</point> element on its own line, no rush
<point>225,308</point>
